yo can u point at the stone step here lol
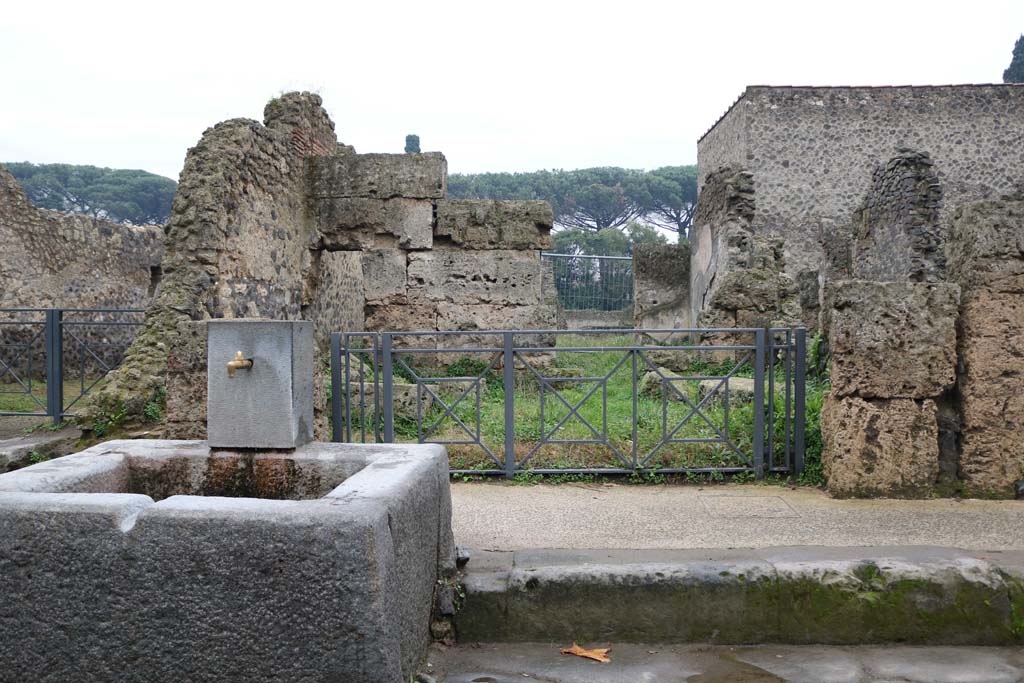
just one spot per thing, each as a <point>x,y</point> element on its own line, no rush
<point>796,595</point>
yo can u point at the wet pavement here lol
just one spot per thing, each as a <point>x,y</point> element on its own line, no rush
<point>632,663</point>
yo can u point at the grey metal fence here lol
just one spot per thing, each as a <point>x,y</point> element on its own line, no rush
<point>585,282</point>
<point>50,358</point>
<point>599,401</point>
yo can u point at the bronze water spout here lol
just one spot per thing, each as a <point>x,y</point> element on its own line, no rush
<point>239,363</point>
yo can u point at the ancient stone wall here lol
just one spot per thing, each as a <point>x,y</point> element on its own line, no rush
<point>237,241</point>
<point>901,334</point>
<point>812,152</point>
<point>278,220</point>
<point>986,258</point>
<point>396,255</point>
<point>661,286</point>
<point>737,277</point>
<point>56,260</point>
<point>721,228</point>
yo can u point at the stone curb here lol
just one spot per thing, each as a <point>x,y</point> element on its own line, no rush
<point>922,595</point>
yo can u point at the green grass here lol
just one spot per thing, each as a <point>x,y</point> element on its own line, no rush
<point>614,417</point>
<point>15,398</point>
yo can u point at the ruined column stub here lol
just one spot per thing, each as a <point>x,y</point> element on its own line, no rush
<point>266,399</point>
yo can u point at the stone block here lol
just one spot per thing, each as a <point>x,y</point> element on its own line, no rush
<point>991,391</point>
<point>661,286</point>
<point>655,383</point>
<point>880,447</point>
<point>411,221</point>
<point>404,318</point>
<point>384,276</point>
<point>892,339</point>
<point>503,277</point>
<point>485,317</point>
<point>192,587</point>
<point>269,405</point>
<point>380,176</point>
<point>489,224</point>
<point>360,223</point>
<point>741,389</point>
<point>348,222</point>
<point>986,244</point>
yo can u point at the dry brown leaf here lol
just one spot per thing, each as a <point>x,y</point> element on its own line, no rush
<point>599,654</point>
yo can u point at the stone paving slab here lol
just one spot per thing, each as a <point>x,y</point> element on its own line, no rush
<point>639,663</point>
<point>498,515</point>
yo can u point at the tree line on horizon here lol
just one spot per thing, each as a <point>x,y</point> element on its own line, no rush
<point>118,195</point>
<point>594,200</point>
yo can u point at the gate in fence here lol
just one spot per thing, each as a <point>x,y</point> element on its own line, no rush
<point>601,401</point>
<point>585,282</point>
<point>50,358</point>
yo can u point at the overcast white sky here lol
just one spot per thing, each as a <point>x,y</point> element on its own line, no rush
<point>496,86</point>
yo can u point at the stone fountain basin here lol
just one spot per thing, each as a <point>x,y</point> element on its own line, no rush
<point>172,560</point>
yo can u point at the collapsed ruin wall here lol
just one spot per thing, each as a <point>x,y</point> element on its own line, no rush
<point>57,260</point>
<point>236,241</point>
<point>926,374</point>
<point>737,278</point>
<point>813,150</point>
<point>278,220</point>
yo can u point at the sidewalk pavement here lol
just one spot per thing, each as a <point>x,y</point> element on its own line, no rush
<point>524,662</point>
<point>504,516</point>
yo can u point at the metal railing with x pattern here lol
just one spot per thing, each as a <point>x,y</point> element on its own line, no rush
<point>50,358</point>
<point>734,402</point>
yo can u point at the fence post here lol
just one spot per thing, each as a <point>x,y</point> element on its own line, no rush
<point>759,364</point>
<point>54,365</point>
<point>799,403</point>
<point>509,383</point>
<point>336,388</point>
<point>388,389</point>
